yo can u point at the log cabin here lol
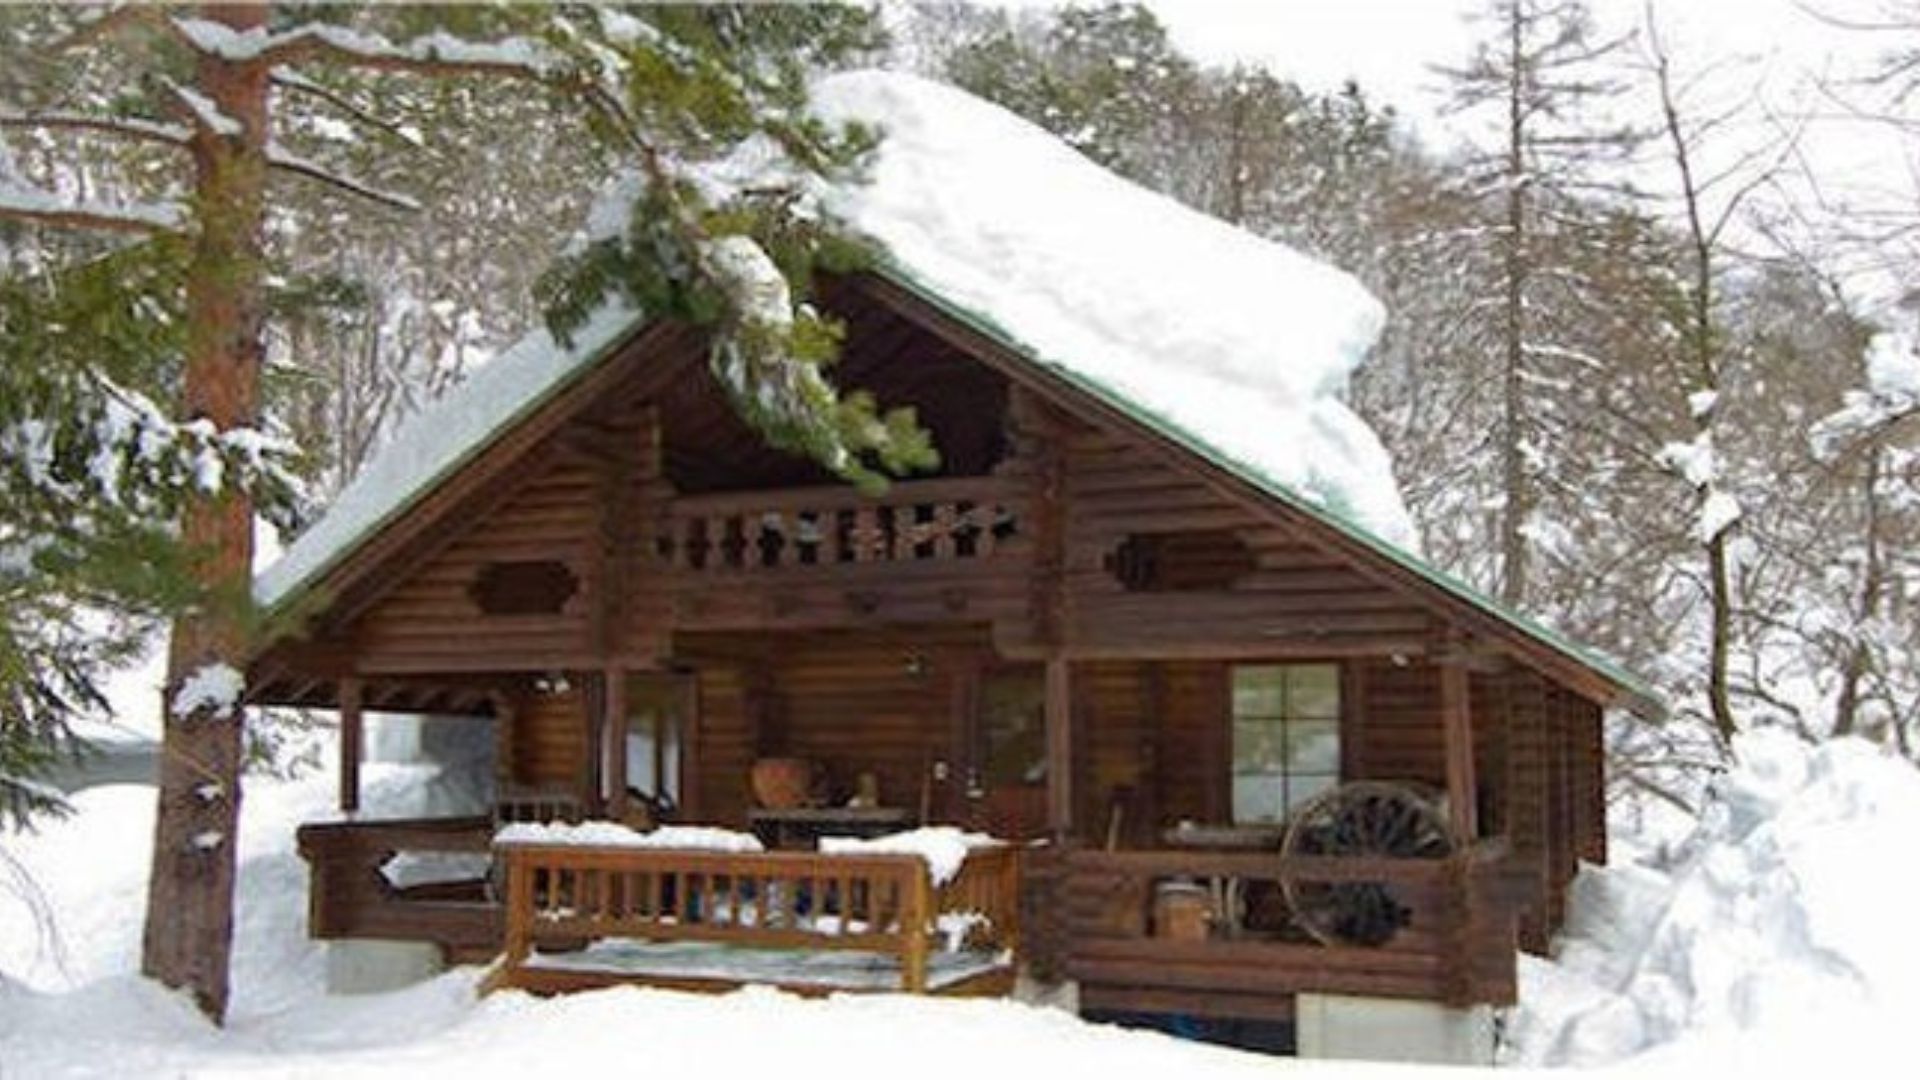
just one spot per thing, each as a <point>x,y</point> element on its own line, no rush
<point>1237,748</point>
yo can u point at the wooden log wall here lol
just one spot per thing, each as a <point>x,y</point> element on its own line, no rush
<point>432,622</point>
<point>724,746</point>
<point>1156,744</point>
<point>548,739</point>
<point>855,701</point>
<point>1295,597</point>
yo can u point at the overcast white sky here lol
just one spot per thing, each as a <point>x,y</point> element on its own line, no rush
<point>1391,47</point>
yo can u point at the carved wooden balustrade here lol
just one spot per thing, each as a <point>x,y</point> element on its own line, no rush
<point>563,899</point>
<point>836,527</point>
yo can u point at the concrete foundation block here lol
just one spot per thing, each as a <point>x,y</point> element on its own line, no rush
<point>1389,1029</point>
<point>373,967</point>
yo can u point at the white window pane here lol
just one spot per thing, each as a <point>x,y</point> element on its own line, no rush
<point>1300,788</point>
<point>1286,737</point>
<point>1258,797</point>
<point>1259,746</point>
<point>1313,691</point>
<point>1313,746</point>
<point>1259,690</point>
<point>640,760</point>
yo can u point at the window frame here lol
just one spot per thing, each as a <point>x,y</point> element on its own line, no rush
<point>1284,720</point>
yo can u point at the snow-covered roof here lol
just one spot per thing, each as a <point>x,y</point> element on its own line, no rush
<point>1241,341</point>
<point>1237,347</point>
<point>438,440</point>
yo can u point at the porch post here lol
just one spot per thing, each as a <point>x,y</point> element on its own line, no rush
<point>1456,722</point>
<point>1059,724</point>
<point>352,735</point>
<point>615,729</point>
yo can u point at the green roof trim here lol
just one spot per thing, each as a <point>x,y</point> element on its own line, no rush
<point>1607,667</point>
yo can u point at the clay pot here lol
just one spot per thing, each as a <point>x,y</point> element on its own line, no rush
<point>782,783</point>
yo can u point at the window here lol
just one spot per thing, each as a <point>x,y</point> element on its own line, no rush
<point>1286,737</point>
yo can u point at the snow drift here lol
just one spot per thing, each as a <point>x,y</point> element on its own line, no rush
<point>1780,924</point>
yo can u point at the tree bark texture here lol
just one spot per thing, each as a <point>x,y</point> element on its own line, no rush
<point>189,927</point>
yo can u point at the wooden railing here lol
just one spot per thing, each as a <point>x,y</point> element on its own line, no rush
<point>351,895</point>
<point>1452,939</point>
<point>916,521</point>
<point>569,896</point>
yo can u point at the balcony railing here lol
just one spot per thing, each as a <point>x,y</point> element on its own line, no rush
<point>579,916</point>
<point>1444,928</point>
<point>915,521</point>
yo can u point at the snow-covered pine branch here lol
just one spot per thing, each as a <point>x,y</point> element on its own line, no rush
<point>128,127</point>
<point>438,53</point>
<point>20,201</point>
<point>94,444</point>
<point>201,109</point>
<point>292,80</point>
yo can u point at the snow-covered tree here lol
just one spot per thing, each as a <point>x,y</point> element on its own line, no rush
<point>192,95</point>
<point>1541,71</point>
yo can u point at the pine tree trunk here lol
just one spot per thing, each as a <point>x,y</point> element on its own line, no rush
<point>189,927</point>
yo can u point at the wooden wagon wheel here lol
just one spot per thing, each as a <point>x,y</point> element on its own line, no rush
<point>1359,819</point>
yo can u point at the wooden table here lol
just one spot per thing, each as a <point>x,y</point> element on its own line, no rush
<point>803,826</point>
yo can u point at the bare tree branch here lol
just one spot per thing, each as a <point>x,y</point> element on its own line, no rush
<point>293,80</point>
<point>278,158</point>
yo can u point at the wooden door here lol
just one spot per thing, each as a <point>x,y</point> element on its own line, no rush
<point>1004,778</point>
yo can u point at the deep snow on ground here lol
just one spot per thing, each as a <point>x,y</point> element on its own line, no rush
<point>1781,925</point>
<point>1772,942</point>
